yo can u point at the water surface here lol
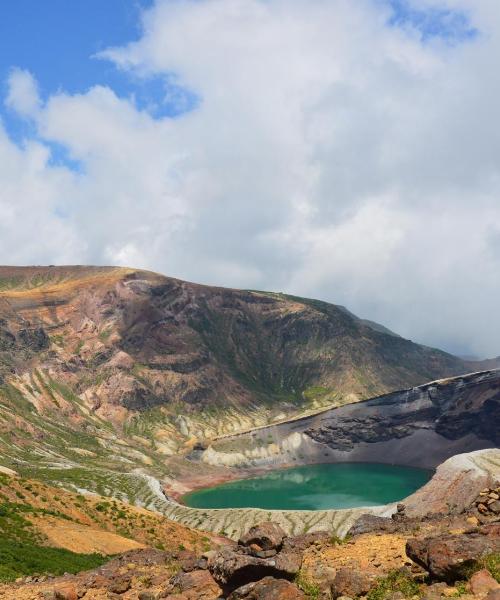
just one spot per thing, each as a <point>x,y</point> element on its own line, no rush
<point>315,487</point>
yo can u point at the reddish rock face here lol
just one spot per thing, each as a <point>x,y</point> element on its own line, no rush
<point>449,557</point>
<point>265,536</point>
<point>268,589</point>
<point>67,592</point>
<point>196,585</point>
<point>482,582</point>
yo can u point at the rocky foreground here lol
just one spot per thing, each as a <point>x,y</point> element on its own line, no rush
<point>438,556</point>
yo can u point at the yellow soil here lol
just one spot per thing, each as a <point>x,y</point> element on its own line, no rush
<point>367,553</point>
<point>81,538</point>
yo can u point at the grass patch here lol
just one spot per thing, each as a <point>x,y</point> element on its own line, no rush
<point>396,581</point>
<point>19,559</point>
<point>335,540</point>
<point>310,589</point>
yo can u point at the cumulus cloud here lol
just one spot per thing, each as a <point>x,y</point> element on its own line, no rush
<point>335,151</point>
<point>23,94</point>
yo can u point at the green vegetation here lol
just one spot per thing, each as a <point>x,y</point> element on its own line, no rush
<point>22,559</point>
<point>104,334</point>
<point>311,590</point>
<point>491,562</point>
<point>15,398</point>
<point>335,540</point>
<point>57,339</point>
<point>15,526</point>
<point>396,581</point>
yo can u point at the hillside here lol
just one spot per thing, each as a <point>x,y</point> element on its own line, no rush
<point>113,371</point>
<point>55,531</point>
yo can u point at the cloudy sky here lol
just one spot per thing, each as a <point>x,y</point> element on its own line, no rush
<point>347,150</point>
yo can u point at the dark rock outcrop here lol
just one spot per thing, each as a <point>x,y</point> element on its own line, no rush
<point>234,568</point>
<point>452,408</point>
<point>262,552</point>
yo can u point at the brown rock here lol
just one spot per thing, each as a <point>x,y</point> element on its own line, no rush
<point>232,569</point>
<point>368,523</point>
<point>67,592</point>
<point>267,535</point>
<point>493,595</point>
<point>434,592</point>
<point>195,585</point>
<point>482,582</point>
<point>449,557</point>
<point>350,582</point>
<point>304,541</point>
<point>147,596</point>
<point>265,553</point>
<point>188,560</point>
<point>120,585</point>
<point>495,507</point>
<point>288,563</point>
<point>268,589</point>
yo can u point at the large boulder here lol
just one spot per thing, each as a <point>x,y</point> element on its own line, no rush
<point>267,536</point>
<point>450,557</point>
<point>234,568</point>
<point>268,589</point>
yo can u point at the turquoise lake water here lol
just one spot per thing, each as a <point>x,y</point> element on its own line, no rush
<point>315,487</point>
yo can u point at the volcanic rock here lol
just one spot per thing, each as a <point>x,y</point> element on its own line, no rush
<point>196,585</point>
<point>482,582</point>
<point>448,557</point>
<point>268,589</point>
<point>266,536</point>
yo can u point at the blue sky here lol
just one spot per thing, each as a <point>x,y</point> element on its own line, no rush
<point>56,41</point>
<point>432,23</point>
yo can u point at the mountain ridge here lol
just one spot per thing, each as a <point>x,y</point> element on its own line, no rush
<point>111,369</point>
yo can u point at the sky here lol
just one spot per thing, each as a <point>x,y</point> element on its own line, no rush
<point>347,151</point>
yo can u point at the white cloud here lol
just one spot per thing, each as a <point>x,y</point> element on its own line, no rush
<point>330,155</point>
<point>23,94</point>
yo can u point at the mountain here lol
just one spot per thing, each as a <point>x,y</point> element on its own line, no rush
<point>109,370</point>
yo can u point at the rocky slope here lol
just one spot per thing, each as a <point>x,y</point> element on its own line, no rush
<point>420,426</point>
<point>436,557</point>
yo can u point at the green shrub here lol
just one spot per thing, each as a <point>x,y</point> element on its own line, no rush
<point>22,559</point>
